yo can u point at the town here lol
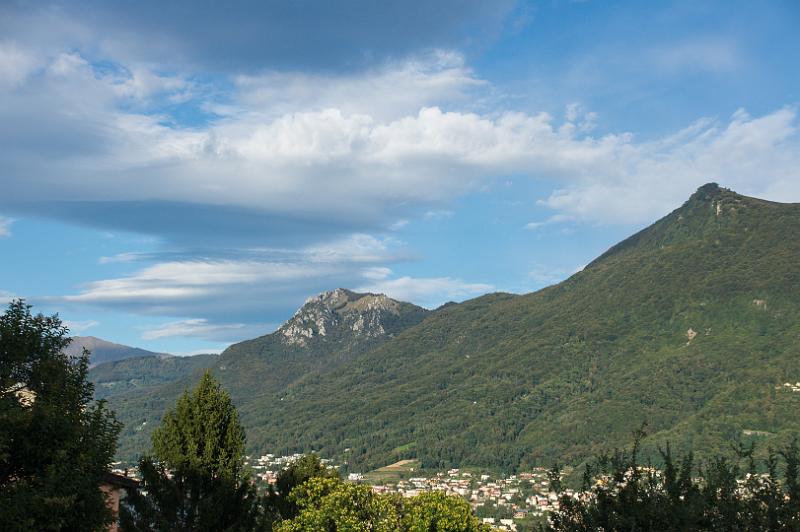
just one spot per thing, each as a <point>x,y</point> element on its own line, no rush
<point>504,503</point>
<point>511,503</point>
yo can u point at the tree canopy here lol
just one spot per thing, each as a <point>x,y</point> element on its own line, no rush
<point>621,493</point>
<point>55,443</point>
<point>293,475</point>
<point>195,479</point>
<point>328,503</point>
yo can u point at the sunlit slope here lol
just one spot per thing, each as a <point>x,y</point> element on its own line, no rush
<point>328,331</point>
<point>692,325</point>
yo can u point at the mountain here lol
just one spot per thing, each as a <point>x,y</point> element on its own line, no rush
<point>141,374</point>
<point>328,331</point>
<point>105,351</point>
<point>691,325</point>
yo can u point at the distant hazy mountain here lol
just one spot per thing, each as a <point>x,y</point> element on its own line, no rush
<point>691,325</point>
<point>105,351</point>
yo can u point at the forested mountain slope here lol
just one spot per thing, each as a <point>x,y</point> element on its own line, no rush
<point>144,373</point>
<point>692,325</point>
<point>328,331</point>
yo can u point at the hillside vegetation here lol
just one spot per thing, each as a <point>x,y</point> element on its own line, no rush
<point>329,331</point>
<point>143,373</point>
<point>691,325</point>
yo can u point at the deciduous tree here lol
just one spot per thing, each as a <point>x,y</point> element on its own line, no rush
<point>55,443</point>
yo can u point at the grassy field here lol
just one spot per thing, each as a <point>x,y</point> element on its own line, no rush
<point>393,472</point>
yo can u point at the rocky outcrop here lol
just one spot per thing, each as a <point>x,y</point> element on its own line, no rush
<point>341,311</point>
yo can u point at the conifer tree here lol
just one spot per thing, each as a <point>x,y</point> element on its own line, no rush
<point>195,480</point>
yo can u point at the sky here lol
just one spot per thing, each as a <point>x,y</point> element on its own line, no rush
<point>179,176</point>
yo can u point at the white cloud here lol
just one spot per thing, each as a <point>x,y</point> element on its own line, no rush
<point>364,152</point>
<point>259,288</point>
<point>142,84</point>
<point>189,280</point>
<point>330,148</point>
<point>708,53</point>
<point>202,328</point>
<point>359,248</point>
<point>638,183</point>
<point>16,65</point>
<point>392,91</point>
<point>78,327</point>
<point>557,218</point>
<point>6,297</point>
<point>429,292</point>
<point>128,256</point>
<point>439,214</point>
<point>5,226</point>
<point>544,275</point>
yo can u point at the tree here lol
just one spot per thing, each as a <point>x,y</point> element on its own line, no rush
<point>196,479</point>
<point>330,504</point>
<point>296,473</point>
<point>621,494</point>
<point>437,512</point>
<point>55,444</point>
<point>327,503</point>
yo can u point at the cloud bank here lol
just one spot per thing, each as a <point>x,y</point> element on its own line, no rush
<point>329,159</point>
<point>289,170</point>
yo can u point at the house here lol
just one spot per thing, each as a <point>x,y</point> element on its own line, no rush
<point>115,487</point>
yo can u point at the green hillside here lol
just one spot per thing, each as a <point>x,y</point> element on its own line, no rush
<point>143,373</point>
<point>692,325</point>
<point>327,332</point>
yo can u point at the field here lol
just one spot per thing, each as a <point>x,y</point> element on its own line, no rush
<point>393,472</point>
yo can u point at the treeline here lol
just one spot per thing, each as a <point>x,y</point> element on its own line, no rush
<point>620,492</point>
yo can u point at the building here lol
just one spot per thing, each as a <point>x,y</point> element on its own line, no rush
<point>115,487</point>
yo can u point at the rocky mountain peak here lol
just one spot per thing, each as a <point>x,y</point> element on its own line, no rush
<point>341,311</point>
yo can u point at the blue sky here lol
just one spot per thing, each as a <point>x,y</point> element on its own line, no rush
<point>182,175</point>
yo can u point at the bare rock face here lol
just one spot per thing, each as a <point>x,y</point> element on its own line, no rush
<point>340,311</point>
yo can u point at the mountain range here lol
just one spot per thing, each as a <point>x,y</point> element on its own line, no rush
<point>691,326</point>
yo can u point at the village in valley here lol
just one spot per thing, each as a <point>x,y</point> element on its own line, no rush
<point>503,502</point>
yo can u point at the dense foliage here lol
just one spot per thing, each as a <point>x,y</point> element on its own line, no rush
<point>330,504</point>
<point>55,444</point>
<point>299,472</point>
<point>437,511</point>
<point>691,324</point>
<point>196,481</point>
<point>621,493</point>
